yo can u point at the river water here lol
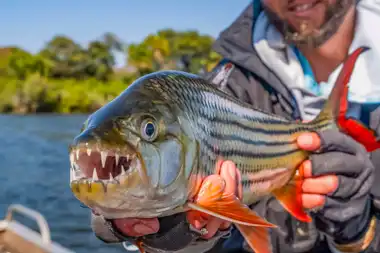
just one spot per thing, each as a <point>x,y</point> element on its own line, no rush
<point>34,171</point>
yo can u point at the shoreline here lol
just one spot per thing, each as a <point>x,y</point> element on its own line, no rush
<point>46,114</point>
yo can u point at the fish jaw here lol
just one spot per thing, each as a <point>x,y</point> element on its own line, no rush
<point>117,174</point>
<point>125,192</point>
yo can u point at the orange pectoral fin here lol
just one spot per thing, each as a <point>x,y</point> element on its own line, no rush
<point>257,238</point>
<point>290,197</point>
<point>212,200</point>
<point>233,212</point>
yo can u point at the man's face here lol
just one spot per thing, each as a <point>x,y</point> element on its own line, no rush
<point>307,20</point>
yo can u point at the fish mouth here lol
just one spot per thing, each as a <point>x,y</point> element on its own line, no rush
<point>113,182</point>
<point>100,175</point>
<point>101,164</point>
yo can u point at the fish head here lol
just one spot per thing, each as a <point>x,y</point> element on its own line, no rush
<point>133,157</point>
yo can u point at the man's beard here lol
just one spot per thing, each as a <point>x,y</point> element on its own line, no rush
<point>334,18</point>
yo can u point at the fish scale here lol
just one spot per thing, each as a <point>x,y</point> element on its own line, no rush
<point>229,129</point>
<point>177,128</point>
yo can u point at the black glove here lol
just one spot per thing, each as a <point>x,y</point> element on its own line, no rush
<point>174,235</point>
<point>346,214</point>
<point>374,115</point>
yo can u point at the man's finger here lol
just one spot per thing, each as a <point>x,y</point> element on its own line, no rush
<point>337,163</point>
<point>232,177</point>
<point>306,170</point>
<point>197,219</point>
<point>212,227</point>
<point>334,140</point>
<point>225,225</point>
<point>310,201</point>
<point>228,173</point>
<point>309,141</point>
<point>320,185</point>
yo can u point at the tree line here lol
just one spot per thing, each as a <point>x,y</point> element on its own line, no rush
<point>66,77</point>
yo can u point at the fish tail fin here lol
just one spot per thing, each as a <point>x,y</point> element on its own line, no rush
<point>290,196</point>
<point>256,237</point>
<point>336,108</point>
<point>337,102</point>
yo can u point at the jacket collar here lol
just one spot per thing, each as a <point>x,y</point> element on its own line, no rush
<point>235,44</point>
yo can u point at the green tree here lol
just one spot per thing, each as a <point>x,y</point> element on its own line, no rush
<point>101,58</point>
<point>66,77</point>
<point>68,59</point>
<point>100,61</point>
<point>113,42</point>
<point>168,49</point>
<point>21,64</point>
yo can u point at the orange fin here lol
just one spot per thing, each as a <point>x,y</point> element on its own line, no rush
<point>360,133</point>
<point>290,197</point>
<point>233,212</point>
<point>212,200</point>
<point>336,107</point>
<point>139,246</point>
<point>336,103</point>
<point>353,127</point>
<point>257,238</point>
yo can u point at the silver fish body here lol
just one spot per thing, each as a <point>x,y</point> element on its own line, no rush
<point>195,125</point>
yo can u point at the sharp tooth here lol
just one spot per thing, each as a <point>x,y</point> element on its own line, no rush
<point>77,153</point>
<point>122,170</point>
<point>71,175</point>
<point>127,157</point>
<point>103,157</point>
<point>71,159</point>
<point>95,175</point>
<point>88,151</point>
<point>117,159</point>
<point>111,177</point>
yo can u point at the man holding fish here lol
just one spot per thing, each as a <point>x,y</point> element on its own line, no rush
<point>283,57</point>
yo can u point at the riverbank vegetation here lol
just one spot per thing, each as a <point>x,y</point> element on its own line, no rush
<point>65,77</point>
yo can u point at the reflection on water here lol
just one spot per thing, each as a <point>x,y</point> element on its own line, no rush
<point>35,173</point>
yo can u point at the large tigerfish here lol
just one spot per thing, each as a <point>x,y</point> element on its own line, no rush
<point>145,153</point>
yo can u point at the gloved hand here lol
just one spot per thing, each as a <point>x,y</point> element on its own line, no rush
<point>174,232</point>
<point>339,176</point>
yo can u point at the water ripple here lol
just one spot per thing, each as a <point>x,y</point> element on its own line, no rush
<point>34,172</point>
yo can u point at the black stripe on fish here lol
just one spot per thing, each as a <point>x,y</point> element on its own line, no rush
<point>262,130</point>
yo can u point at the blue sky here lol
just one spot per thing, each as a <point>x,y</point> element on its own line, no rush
<point>30,24</point>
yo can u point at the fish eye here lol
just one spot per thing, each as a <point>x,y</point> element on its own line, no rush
<point>148,129</point>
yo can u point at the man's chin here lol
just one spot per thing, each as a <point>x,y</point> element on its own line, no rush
<point>312,32</point>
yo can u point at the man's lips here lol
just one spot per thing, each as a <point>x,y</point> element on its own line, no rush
<point>303,7</point>
<point>137,227</point>
<point>298,3</point>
